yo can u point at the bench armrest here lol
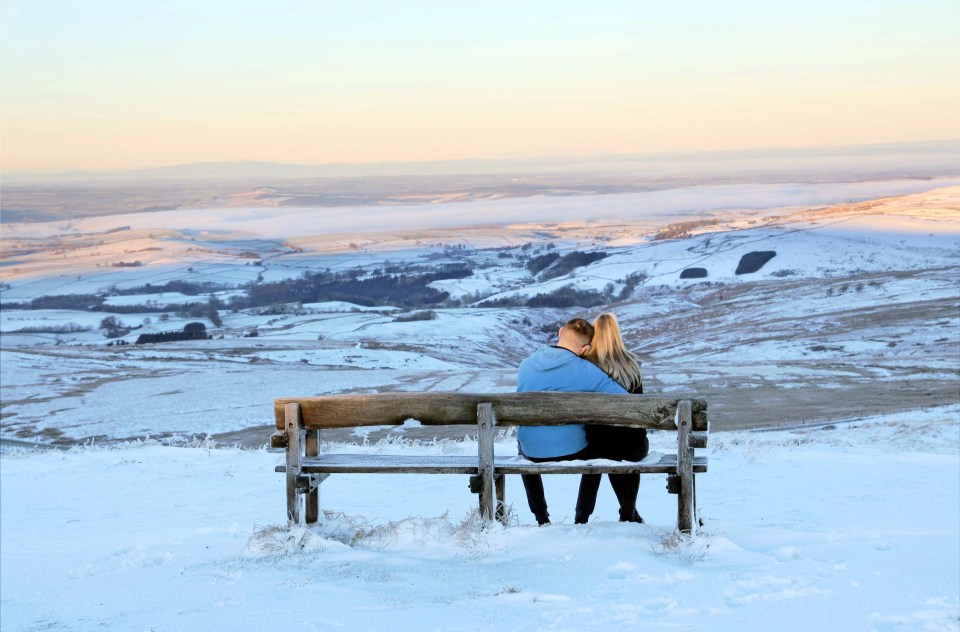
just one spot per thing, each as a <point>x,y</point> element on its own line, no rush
<point>278,440</point>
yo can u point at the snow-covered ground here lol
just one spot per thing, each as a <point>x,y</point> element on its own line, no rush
<point>849,527</point>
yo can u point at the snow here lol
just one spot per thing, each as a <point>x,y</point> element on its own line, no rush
<point>826,526</point>
<point>843,527</point>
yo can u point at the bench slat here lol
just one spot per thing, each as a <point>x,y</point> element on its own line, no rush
<point>666,465</point>
<point>511,409</point>
<point>387,463</point>
<point>374,463</point>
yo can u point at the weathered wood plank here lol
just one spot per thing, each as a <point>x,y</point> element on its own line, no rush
<point>684,469</point>
<point>511,409</point>
<point>500,483</point>
<point>697,439</point>
<point>389,463</point>
<point>313,495</point>
<point>486,421</point>
<point>292,421</point>
<point>442,464</point>
<point>278,439</point>
<point>666,465</point>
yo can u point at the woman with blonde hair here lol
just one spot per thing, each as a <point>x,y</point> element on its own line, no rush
<point>620,443</point>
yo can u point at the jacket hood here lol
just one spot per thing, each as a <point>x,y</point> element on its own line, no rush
<point>548,358</point>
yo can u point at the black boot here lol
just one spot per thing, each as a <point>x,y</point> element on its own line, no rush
<point>627,486</point>
<point>630,516</point>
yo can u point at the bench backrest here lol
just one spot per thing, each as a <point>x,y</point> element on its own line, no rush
<point>511,409</point>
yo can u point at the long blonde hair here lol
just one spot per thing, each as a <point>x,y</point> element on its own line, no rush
<point>608,353</point>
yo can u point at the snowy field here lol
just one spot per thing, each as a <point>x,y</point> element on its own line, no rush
<point>846,527</point>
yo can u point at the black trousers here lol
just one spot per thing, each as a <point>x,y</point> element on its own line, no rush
<point>618,443</point>
<point>533,484</point>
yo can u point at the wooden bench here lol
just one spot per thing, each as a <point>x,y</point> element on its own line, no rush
<point>300,419</point>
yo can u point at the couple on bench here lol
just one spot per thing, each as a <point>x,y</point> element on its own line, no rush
<point>586,358</point>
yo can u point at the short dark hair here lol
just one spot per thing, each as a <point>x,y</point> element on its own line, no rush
<point>580,327</point>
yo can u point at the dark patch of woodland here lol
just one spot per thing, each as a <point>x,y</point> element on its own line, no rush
<point>566,296</point>
<point>114,328</point>
<point>536,264</point>
<point>78,302</point>
<point>753,261</point>
<point>69,328</point>
<point>694,273</point>
<point>428,314</point>
<point>183,287</point>
<point>630,283</point>
<point>408,289</point>
<point>190,331</point>
<point>569,296</point>
<point>570,262</point>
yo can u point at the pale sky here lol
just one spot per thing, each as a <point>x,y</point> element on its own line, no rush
<point>124,84</point>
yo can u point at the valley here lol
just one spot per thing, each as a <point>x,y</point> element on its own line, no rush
<point>857,313</point>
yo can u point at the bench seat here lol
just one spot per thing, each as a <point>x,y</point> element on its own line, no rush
<point>398,464</point>
<point>665,464</point>
<point>386,463</point>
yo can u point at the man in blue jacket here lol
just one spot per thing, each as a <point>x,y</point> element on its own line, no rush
<point>559,368</point>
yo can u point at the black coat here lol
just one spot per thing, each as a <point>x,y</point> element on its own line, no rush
<point>620,443</point>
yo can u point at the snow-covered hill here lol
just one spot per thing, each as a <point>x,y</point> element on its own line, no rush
<point>854,311</point>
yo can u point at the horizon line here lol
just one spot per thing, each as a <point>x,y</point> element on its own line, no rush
<point>496,165</point>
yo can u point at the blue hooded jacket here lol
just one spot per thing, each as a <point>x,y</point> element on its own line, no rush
<point>557,369</point>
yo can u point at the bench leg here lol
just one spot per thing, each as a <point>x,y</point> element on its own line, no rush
<point>684,468</point>
<point>696,519</point>
<point>486,422</point>
<point>293,503</point>
<point>478,482</point>
<point>686,500</point>
<point>500,482</point>
<point>313,506</point>
<point>292,420</point>
<point>313,496</point>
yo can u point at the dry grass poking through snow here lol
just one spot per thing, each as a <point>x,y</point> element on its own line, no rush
<point>470,534</point>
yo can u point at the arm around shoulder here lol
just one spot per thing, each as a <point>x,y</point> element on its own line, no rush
<point>600,381</point>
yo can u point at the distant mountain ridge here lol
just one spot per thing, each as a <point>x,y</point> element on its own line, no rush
<point>942,157</point>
